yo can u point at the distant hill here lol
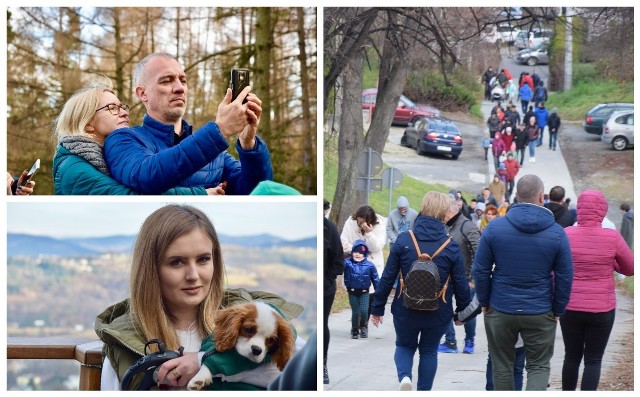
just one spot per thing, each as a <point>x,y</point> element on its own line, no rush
<point>30,245</point>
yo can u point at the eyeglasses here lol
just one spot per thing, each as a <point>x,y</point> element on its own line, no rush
<point>114,109</point>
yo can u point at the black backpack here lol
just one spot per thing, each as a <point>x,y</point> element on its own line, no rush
<point>421,288</point>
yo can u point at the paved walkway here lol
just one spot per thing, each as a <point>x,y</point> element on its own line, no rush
<point>367,364</point>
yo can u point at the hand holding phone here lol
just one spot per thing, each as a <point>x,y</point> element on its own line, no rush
<point>26,176</point>
<point>239,80</point>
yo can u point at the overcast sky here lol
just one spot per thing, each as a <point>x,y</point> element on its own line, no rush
<point>291,221</point>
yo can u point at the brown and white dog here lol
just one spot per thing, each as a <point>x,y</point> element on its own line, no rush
<point>254,329</point>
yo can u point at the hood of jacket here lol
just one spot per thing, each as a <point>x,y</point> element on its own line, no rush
<point>359,246</point>
<point>115,326</point>
<point>592,208</point>
<point>530,218</point>
<point>427,228</point>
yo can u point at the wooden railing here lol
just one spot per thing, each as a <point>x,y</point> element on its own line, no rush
<point>88,352</point>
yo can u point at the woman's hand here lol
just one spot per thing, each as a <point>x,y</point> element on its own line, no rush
<point>179,371</point>
<point>376,320</point>
<point>9,183</point>
<point>367,228</point>
<point>218,190</point>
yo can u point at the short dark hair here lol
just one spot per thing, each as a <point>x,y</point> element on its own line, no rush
<point>326,204</point>
<point>556,194</point>
<point>625,207</point>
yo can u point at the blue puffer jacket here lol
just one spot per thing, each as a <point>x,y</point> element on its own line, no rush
<point>145,159</point>
<point>523,264</point>
<point>360,275</point>
<point>430,234</point>
<point>542,116</point>
<point>74,175</point>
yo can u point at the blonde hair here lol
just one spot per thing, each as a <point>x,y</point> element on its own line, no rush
<point>158,231</point>
<point>80,109</point>
<point>435,204</point>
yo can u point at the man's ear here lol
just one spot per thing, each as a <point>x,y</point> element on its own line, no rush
<point>541,198</point>
<point>141,93</point>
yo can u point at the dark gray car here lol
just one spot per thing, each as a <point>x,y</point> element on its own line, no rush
<point>598,115</point>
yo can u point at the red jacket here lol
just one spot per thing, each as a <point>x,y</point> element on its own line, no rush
<point>512,168</point>
<point>597,252</point>
<point>527,80</point>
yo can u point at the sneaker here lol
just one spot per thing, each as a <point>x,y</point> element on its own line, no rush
<point>533,159</point>
<point>326,376</point>
<point>354,334</point>
<point>364,332</point>
<point>405,384</point>
<point>448,347</point>
<point>468,346</point>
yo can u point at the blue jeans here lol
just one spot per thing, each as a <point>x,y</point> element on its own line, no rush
<point>532,148</point>
<point>426,341</point>
<point>553,139</point>
<point>518,370</point>
<point>524,104</point>
<point>542,128</point>
<point>469,329</point>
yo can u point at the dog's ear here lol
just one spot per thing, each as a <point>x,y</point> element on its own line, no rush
<point>286,341</point>
<point>227,326</point>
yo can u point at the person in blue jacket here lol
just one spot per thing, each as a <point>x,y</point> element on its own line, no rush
<point>86,119</point>
<point>542,117</point>
<point>523,272</point>
<point>422,329</point>
<point>526,95</point>
<point>359,274</point>
<point>165,151</point>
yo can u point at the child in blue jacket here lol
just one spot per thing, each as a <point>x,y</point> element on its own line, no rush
<point>359,275</point>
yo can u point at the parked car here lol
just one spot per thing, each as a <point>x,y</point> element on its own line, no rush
<point>534,55</point>
<point>406,112</point>
<point>500,33</point>
<point>433,135</point>
<point>598,115</point>
<point>618,130</point>
<point>532,38</point>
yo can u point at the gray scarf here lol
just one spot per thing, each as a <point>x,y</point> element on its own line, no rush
<point>86,148</point>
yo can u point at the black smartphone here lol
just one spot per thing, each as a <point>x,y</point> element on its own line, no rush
<point>34,168</point>
<point>239,80</point>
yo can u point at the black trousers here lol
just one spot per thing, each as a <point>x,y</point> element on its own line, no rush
<point>585,335</point>
<point>326,310</point>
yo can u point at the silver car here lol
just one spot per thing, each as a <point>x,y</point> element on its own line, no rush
<point>618,130</point>
<point>534,55</point>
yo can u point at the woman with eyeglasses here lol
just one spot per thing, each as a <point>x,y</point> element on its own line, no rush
<point>86,119</point>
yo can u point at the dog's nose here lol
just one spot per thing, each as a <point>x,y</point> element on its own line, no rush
<point>256,350</point>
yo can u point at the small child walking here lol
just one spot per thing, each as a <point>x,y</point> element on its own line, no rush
<point>359,274</point>
<point>486,144</point>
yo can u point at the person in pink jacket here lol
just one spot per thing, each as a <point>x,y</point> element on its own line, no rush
<point>587,322</point>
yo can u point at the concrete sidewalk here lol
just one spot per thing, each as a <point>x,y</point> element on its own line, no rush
<point>367,364</point>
